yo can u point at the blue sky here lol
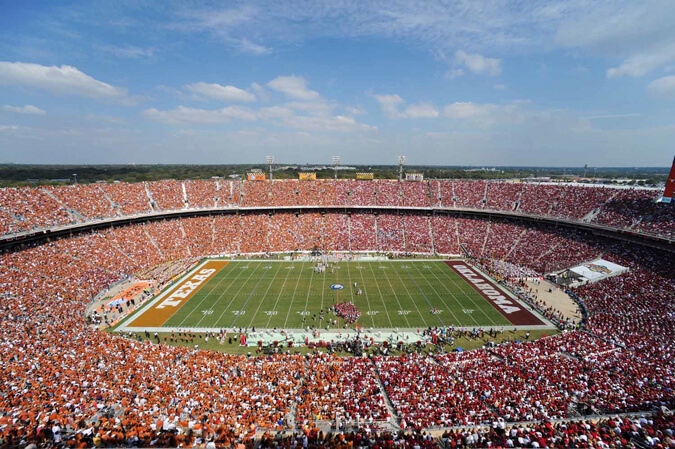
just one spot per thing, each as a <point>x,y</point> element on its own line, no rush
<point>453,83</point>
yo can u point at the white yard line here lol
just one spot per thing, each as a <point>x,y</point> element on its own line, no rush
<point>441,298</point>
<point>392,289</point>
<point>413,299</point>
<point>220,317</point>
<point>290,307</point>
<point>279,295</point>
<point>365,293</point>
<point>206,296</point>
<point>351,289</point>
<point>262,300</point>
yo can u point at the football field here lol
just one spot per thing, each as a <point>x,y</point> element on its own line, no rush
<point>261,294</point>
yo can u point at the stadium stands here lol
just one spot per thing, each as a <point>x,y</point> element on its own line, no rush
<point>66,383</point>
<point>28,209</point>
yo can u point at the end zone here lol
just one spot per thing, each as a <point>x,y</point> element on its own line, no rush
<point>511,309</point>
<point>165,305</point>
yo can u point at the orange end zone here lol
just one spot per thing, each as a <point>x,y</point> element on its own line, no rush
<point>162,309</point>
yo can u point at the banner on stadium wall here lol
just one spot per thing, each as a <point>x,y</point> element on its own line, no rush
<point>670,185</point>
<point>256,176</point>
<point>306,176</point>
<point>414,177</point>
<point>365,176</point>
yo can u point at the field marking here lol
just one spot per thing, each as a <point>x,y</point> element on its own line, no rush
<point>523,316</point>
<point>243,308</point>
<point>382,297</point>
<point>469,295</point>
<point>262,300</point>
<point>290,307</point>
<point>365,293</point>
<point>323,287</point>
<point>157,314</point>
<point>274,308</point>
<point>409,296</point>
<point>441,297</point>
<point>237,294</point>
<point>407,268</point>
<point>349,274</point>
<point>279,296</point>
<point>207,295</point>
<point>451,294</point>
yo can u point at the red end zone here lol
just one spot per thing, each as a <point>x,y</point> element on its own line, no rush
<point>511,309</point>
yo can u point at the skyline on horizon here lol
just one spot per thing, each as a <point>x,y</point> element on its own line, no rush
<point>537,84</point>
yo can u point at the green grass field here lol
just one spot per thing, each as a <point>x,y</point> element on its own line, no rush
<point>396,294</point>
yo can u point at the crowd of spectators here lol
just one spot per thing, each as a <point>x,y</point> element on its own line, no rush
<point>63,381</point>
<point>167,195</point>
<point>606,433</point>
<point>340,389</point>
<point>85,200</point>
<point>39,207</point>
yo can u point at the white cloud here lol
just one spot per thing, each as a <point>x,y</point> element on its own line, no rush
<point>63,80</point>
<point>260,91</point>
<point>219,92</point>
<point>6,128</point>
<point>129,51</point>
<point>640,34</point>
<point>454,73</point>
<point>486,114</point>
<point>294,87</point>
<point>312,108</point>
<point>390,104</point>
<point>337,123</point>
<point>662,87</point>
<point>468,110</point>
<point>477,63</point>
<point>28,109</point>
<point>356,110</point>
<point>246,46</point>
<point>642,63</point>
<point>421,110</point>
<point>183,114</point>
<point>470,25</point>
<point>275,112</point>
<point>275,115</point>
<point>285,116</point>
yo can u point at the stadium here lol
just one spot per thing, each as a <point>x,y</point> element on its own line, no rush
<point>233,310</point>
<point>309,224</point>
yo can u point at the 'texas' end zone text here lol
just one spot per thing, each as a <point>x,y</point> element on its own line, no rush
<point>162,310</point>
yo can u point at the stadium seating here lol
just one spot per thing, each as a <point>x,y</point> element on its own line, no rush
<point>26,209</point>
<point>65,382</point>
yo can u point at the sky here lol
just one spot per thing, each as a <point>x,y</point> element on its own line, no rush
<point>458,82</point>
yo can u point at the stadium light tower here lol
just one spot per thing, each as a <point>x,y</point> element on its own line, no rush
<point>336,162</point>
<point>401,163</point>
<point>270,163</point>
